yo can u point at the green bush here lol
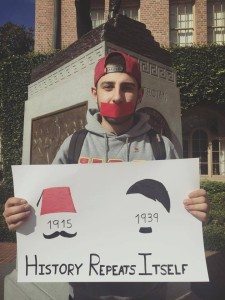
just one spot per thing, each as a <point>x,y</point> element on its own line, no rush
<point>15,76</point>
<point>213,187</point>
<point>200,74</point>
<point>214,237</point>
<point>15,39</point>
<point>214,231</point>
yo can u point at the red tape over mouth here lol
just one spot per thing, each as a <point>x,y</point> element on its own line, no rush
<point>117,110</point>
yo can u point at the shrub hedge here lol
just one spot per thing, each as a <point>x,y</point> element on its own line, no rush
<point>214,231</point>
<point>15,75</point>
<point>200,74</point>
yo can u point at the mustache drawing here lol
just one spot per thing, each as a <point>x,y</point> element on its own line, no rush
<point>145,230</point>
<point>58,233</point>
<point>152,189</point>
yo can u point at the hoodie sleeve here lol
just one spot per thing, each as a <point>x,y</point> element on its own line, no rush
<point>62,154</point>
<point>171,152</point>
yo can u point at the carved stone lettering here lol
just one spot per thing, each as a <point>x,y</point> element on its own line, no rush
<point>156,94</point>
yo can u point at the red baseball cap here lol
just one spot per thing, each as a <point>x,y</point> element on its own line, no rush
<point>131,67</point>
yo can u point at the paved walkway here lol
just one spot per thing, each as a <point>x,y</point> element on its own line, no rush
<point>7,252</point>
<point>7,262</point>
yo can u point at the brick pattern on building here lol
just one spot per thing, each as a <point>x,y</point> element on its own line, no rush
<point>200,21</point>
<point>154,13</point>
<point>44,13</point>
<point>68,23</point>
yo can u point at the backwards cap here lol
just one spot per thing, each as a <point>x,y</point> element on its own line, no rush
<point>131,67</point>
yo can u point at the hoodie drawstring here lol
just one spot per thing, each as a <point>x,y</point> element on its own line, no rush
<point>128,144</point>
<point>128,148</point>
<point>106,147</point>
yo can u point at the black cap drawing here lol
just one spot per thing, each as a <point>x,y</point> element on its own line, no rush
<point>154,190</point>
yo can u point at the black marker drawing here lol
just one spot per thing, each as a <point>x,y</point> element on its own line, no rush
<point>153,190</point>
<point>145,230</point>
<point>57,200</point>
<point>58,233</point>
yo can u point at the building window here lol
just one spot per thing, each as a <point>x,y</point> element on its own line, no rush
<point>216,21</point>
<point>215,157</point>
<point>181,24</point>
<point>209,149</point>
<point>200,149</point>
<point>97,17</point>
<point>217,148</point>
<point>130,12</point>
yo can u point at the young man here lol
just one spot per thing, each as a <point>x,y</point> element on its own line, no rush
<point>115,133</point>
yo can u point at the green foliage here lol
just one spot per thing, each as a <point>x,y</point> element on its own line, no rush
<point>15,74</point>
<point>5,235</point>
<point>213,187</point>
<point>214,237</point>
<point>15,40</point>
<point>200,74</point>
<point>214,231</point>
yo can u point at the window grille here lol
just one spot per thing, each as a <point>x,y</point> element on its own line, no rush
<point>181,24</point>
<point>130,12</point>
<point>97,17</point>
<point>216,22</point>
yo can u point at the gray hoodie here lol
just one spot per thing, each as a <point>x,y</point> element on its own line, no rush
<point>102,146</point>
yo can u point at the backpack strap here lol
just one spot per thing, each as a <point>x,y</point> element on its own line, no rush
<point>158,145</point>
<point>75,146</point>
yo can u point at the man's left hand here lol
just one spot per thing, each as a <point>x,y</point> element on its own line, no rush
<point>197,205</point>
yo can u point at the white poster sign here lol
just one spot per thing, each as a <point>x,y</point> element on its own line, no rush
<point>110,222</point>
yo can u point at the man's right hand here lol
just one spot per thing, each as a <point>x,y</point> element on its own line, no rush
<point>16,212</point>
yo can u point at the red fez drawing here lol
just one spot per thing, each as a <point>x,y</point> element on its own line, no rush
<point>56,200</point>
